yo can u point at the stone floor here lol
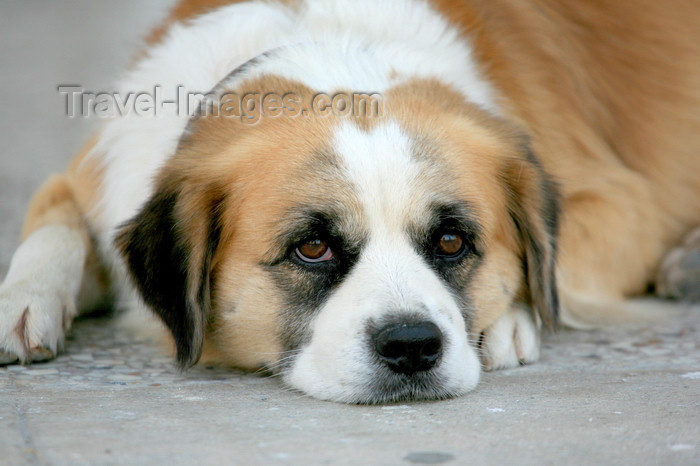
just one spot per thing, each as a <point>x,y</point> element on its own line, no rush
<point>619,396</point>
<point>622,396</point>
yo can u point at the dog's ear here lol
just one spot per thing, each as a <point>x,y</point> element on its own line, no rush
<point>168,248</point>
<point>534,207</point>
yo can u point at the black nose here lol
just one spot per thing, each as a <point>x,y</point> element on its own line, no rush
<point>409,348</point>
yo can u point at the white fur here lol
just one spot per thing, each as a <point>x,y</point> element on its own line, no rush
<point>389,276</point>
<point>332,45</point>
<point>43,280</point>
<point>512,340</point>
<point>360,45</point>
<point>329,45</point>
<point>133,148</point>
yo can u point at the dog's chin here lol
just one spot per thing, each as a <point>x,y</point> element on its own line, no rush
<point>378,385</point>
<point>387,388</point>
<point>393,388</point>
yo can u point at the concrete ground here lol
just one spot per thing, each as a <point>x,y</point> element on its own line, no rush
<point>619,396</point>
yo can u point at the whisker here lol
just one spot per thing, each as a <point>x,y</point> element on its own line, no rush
<point>273,369</point>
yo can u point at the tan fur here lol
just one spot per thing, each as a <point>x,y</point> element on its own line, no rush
<point>471,144</point>
<point>68,200</point>
<point>53,203</point>
<point>183,11</point>
<point>187,9</point>
<point>84,176</point>
<point>261,171</point>
<point>64,198</point>
<point>607,91</point>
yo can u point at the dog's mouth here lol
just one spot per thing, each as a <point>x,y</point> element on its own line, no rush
<point>393,388</point>
<point>387,387</point>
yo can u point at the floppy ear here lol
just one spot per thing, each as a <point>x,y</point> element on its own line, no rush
<point>534,207</point>
<point>168,247</point>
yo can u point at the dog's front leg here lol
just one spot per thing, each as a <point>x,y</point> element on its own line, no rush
<point>38,295</point>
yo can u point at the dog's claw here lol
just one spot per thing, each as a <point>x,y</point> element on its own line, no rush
<point>8,358</point>
<point>36,354</point>
<point>40,354</point>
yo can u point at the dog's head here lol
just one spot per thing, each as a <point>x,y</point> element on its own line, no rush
<point>360,257</point>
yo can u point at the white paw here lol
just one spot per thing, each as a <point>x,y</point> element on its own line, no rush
<point>37,299</point>
<point>33,322</point>
<point>513,340</point>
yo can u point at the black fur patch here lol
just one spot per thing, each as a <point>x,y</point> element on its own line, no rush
<point>159,260</point>
<point>457,218</point>
<point>534,209</point>
<point>307,286</point>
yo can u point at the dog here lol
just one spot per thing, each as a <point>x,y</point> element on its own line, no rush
<point>508,165</point>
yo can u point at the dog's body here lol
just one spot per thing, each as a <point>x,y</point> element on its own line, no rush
<point>372,257</point>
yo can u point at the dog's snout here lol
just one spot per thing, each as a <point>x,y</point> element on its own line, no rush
<point>409,348</point>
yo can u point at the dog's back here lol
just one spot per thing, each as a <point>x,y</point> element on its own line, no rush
<point>609,92</point>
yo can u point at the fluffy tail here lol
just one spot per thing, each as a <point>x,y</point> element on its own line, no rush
<point>585,312</point>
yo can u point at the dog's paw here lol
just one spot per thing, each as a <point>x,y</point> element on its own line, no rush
<point>679,274</point>
<point>33,323</point>
<point>513,340</point>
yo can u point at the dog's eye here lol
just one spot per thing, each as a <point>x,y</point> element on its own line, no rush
<point>450,245</point>
<point>314,250</point>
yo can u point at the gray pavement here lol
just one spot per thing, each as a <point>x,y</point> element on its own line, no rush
<point>619,396</point>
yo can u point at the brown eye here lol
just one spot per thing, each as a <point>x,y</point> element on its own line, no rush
<point>450,244</point>
<point>315,250</point>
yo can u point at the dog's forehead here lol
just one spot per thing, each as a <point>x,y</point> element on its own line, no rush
<point>390,179</point>
<point>367,180</point>
<point>365,176</point>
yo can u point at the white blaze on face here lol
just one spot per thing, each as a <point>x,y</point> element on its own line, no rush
<point>389,278</point>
